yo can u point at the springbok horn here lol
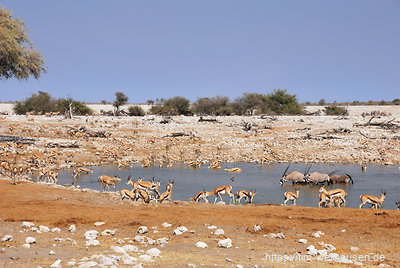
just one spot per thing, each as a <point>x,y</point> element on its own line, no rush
<point>284,173</point>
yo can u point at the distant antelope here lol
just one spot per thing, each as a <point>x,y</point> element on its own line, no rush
<point>373,200</point>
<point>363,167</point>
<point>123,164</point>
<point>248,195</point>
<point>234,170</point>
<point>334,193</point>
<point>290,196</point>
<point>398,205</point>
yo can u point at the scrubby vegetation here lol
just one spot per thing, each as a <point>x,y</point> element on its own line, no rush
<point>136,111</point>
<point>335,110</point>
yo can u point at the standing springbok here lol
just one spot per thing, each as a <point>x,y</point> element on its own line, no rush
<point>248,195</point>
<point>294,176</point>
<point>373,200</point>
<point>222,190</point>
<point>334,193</point>
<point>290,196</point>
<point>168,192</point>
<point>106,181</point>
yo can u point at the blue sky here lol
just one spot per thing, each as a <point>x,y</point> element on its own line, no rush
<point>341,50</point>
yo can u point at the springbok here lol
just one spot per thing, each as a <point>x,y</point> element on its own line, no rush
<point>106,181</point>
<point>290,196</point>
<point>398,205</point>
<point>294,176</point>
<point>139,193</point>
<point>233,170</point>
<point>346,178</point>
<point>334,193</point>
<point>147,186</point>
<point>123,164</point>
<point>127,194</point>
<point>215,165</point>
<point>168,192</point>
<point>222,190</point>
<point>248,195</point>
<point>373,200</point>
<point>199,196</point>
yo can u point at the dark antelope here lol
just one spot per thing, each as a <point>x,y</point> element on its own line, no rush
<point>345,178</point>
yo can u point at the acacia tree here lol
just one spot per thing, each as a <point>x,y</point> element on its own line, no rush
<point>18,57</point>
<point>120,99</point>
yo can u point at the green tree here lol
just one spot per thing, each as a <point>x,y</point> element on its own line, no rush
<point>72,107</point>
<point>136,111</point>
<point>41,102</point>
<point>336,110</point>
<point>280,102</point>
<point>322,102</point>
<point>211,106</point>
<point>120,99</point>
<point>172,106</point>
<point>18,57</point>
<point>252,103</point>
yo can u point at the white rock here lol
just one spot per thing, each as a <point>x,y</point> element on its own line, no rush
<point>357,263</point>
<point>322,252</point>
<point>219,232</point>
<point>139,265</point>
<point>71,263</point>
<point>35,229</point>
<point>334,256</point>
<point>177,232</point>
<point>52,253</point>
<point>303,241</point>
<point>151,241</point>
<point>26,245</point>
<point>154,252</point>
<point>120,241</point>
<point>201,245</point>
<point>106,261</point>
<point>27,224</point>
<point>56,230</point>
<point>91,234</point>
<point>130,248</point>
<point>162,241</point>
<point>7,238</point>
<point>99,223</point>
<point>108,232</point>
<point>88,264</point>
<point>118,249</point>
<point>72,228</point>
<point>257,228</point>
<point>139,238</point>
<point>142,230</point>
<point>384,265</point>
<point>343,230</point>
<point>354,249</point>
<point>166,225</point>
<point>183,229</point>
<point>44,229</point>
<point>239,266</point>
<point>212,227</point>
<point>225,243</point>
<point>56,264</point>
<point>129,260</point>
<point>30,240</point>
<point>316,235</point>
<point>92,242</point>
<point>146,258</point>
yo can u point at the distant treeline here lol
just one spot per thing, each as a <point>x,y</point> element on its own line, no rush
<point>278,102</point>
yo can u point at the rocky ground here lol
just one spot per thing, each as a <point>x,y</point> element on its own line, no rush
<point>85,229</point>
<point>254,230</point>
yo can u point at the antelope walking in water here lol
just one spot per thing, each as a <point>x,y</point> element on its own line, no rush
<point>248,195</point>
<point>106,181</point>
<point>234,170</point>
<point>334,193</point>
<point>346,178</point>
<point>290,196</point>
<point>373,200</point>
<point>294,176</point>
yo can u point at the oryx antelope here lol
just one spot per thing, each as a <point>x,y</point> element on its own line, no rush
<point>317,178</point>
<point>373,200</point>
<point>345,178</point>
<point>334,193</point>
<point>248,195</point>
<point>290,196</point>
<point>294,177</point>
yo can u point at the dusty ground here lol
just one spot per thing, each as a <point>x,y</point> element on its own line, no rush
<point>51,207</point>
<point>279,139</point>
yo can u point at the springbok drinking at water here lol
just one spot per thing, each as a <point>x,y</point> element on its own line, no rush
<point>334,193</point>
<point>248,195</point>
